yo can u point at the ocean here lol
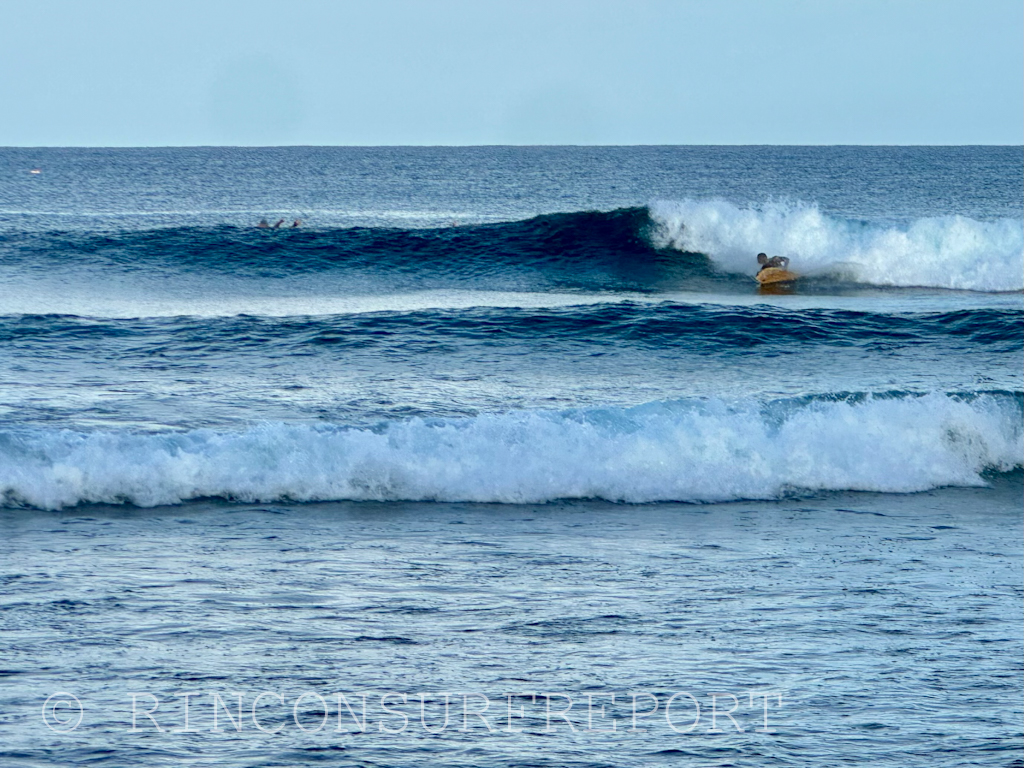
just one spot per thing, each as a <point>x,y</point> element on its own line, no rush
<point>501,456</point>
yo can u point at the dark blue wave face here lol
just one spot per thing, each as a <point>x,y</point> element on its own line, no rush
<point>627,250</point>
<point>588,251</point>
<point>361,368</point>
<point>686,327</point>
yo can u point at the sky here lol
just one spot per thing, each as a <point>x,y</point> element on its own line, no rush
<point>459,72</point>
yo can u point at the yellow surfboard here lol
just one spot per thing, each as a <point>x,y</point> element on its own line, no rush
<point>775,275</point>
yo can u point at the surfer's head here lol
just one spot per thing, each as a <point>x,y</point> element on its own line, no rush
<point>762,258</point>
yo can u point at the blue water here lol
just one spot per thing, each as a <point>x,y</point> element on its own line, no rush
<point>500,420</point>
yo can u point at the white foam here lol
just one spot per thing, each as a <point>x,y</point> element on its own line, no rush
<point>688,451</point>
<point>942,252</point>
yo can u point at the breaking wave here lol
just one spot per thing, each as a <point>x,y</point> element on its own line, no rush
<point>690,244</point>
<point>689,450</point>
<point>941,252</point>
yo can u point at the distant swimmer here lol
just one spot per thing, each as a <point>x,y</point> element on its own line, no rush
<point>296,223</point>
<point>278,224</point>
<point>263,224</point>
<point>776,262</point>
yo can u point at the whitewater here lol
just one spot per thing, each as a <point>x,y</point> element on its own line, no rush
<point>682,451</point>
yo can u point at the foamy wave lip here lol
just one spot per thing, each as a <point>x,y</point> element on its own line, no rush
<point>943,252</point>
<point>696,450</point>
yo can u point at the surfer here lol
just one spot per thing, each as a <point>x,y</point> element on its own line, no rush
<point>777,262</point>
<point>296,223</point>
<point>263,224</point>
<point>278,224</point>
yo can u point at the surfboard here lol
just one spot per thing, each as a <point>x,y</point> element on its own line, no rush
<point>775,275</point>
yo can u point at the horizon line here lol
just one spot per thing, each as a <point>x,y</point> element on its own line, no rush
<point>460,146</point>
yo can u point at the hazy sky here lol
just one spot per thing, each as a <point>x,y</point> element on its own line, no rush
<point>177,72</point>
